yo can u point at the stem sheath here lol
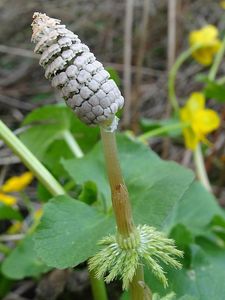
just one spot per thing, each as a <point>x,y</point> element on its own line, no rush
<point>121,205</point>
<point>120,197</point>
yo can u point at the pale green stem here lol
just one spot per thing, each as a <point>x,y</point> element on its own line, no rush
<point>217,61</point>
<point>138,288</point>
<point>172,75</point>
<point>121,205</point>
<point>44,176</point>
<point>144,137</point>
<point>30,161</point>
<point>72,143</point>
<point>97,286</point>
<point>200,168</point>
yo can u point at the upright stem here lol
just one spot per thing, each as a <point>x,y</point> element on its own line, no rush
<point>50,183</point>
<point>121,204</point>
<point>137,287</point>
<point>120,197</point>
<point>72,143</point>
<point>139,64</point>
<point>127,61</point>
<point>98,287</point>
<point>171,55</point>
<point>200,168</point>
<point>171,43</point>
<point>30,161</point>
<point>217,61</point>
<point>172,75</point>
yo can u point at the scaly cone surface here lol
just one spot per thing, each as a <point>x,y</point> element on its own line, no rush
<point>72,68</point>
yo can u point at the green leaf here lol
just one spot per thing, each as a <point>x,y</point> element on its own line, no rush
<point>69,232</point>
<point>217,226</point>
<point>9,213</point>
<point>182,236</point>
<point>22,261</point>
<point>47,126</point>
<point>154,185</point>
<point>91,168</point>
<point>88,193</point>
<point>5,285</point>
<point>196,209</point>
<point>188,297</point>
<point>114,75</point>
<point>162,193</point>
<point>203,280</point>
<point>215,90</point>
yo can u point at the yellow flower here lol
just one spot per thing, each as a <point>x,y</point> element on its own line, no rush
<point>207,39</point>
<point>7,200</point>
<point>17,183</point>
<point>222,4</point>
<point>201,120</point>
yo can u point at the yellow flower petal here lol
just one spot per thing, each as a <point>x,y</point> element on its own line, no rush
<point>205,121</point>
<point>7,200</point>
<point>204,56</point>
<point>222,4</point>
<point>201,120</point>
<point>190,139</point>
<point>195,102</point>
<point>207,39</point>
<point>17,183</point>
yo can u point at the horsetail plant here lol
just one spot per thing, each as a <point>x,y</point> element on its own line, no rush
<point>95,98</point>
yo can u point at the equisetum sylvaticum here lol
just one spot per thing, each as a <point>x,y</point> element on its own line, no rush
<point>94,97</point>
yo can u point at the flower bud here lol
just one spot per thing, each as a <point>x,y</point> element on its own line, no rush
<point>70,66</point>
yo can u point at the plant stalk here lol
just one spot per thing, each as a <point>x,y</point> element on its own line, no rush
<point>200,168</point>
<point>121,204</point>
<point>72,144</point>
<point>120,197</point>
<point>138,288</point>
<point>127,60</point>
<point>50,183</point>
<point>217,61</point>
<point>97,287</point>
<point>165,129</point>
<point>172,75</point>
<point>30,161</point>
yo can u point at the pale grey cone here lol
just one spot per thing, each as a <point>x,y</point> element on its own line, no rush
<point>71,67</point>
